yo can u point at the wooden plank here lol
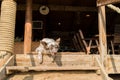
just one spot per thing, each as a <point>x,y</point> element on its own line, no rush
<point>4,57</point>
<point>105,2</point>
<point>115,8</point>
<point>75,42</point>
<point>112,64</point>
<point>9,62</point>
<point>61,59</point>
<point>102,32</point>
<point>47,68</point>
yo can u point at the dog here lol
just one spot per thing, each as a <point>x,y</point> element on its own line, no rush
<point>47,45</point>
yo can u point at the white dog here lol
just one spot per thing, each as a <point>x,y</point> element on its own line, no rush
<point>47,45</point>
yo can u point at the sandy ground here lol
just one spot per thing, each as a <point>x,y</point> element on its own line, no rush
<point>59,75</point>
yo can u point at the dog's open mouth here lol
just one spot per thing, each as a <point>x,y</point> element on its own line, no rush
<point>54,53</point>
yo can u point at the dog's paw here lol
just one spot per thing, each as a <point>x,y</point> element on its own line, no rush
<point>53,61</point>
<point>40,61</point>
<point>54,58</point>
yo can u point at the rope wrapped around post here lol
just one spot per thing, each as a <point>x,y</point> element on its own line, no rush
<point>7,27</point>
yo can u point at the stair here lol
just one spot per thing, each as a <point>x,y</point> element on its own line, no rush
<point>56,75</point>
<point>63,61</point>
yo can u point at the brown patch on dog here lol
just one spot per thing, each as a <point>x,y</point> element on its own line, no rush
<point>44,44</point>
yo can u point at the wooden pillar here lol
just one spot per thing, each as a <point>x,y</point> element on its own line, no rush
<point>102,32</point>
<point>28,27</point>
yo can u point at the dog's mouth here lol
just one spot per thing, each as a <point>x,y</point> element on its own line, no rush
<point>54,53</point>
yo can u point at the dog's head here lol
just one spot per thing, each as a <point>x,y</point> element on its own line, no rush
<point>51,45</point>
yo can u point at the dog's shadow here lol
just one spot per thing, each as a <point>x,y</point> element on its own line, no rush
<point>57,59</point>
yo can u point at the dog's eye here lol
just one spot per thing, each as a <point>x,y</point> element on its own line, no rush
<point>54,46</point>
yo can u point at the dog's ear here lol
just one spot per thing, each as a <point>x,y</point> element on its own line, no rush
<point>58,40</point>
<point>43,43</point>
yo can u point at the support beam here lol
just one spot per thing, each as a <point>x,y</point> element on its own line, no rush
<point>8,62</point>
<point>115,8</point>
<point>102,32</point>
<point>105,2</point>
<point>28,27</point>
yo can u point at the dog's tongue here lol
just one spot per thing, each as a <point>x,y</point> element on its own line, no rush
<point>54,53</point>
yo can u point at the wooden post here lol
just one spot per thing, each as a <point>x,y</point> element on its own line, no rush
<point>28,27</point>
<point>102,32</point>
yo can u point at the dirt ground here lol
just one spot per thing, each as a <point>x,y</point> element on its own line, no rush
<point>55,75</point>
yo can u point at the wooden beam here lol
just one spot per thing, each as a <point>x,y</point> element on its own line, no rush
<point>112,64</point>
<point>105,2</point>
<point>4,56</point>
<point>69,58</point>
<point>28,27</point>
<point>47,68</point>
<point>59,8</point>
<point>9,62</point>
<point>102,32</point>
<point>115,8</point>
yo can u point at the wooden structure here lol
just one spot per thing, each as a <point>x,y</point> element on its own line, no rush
<point>85,44</point>
<point>116,41</point>
<point>62,62</point>
<point>105,2</point>
<point>28,27</point>
<point>78,62</point>
<point>65,61</point>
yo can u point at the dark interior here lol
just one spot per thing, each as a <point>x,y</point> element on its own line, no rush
<point>62,22</point>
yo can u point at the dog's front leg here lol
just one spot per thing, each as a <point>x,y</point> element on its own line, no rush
<point>40,57</point>
<point>54,57</point>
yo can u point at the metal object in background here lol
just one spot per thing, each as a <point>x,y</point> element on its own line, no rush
<point>44,10</point>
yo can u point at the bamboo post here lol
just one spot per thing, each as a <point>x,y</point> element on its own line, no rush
<point>28,27</point>
<point>102,32</point>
